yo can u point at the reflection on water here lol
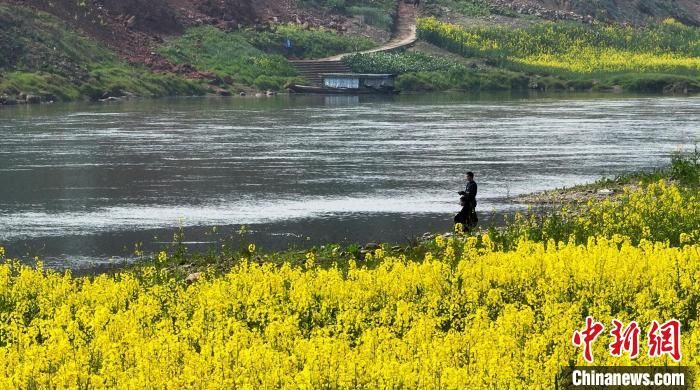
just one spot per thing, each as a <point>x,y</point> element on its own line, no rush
<point>86,181</point>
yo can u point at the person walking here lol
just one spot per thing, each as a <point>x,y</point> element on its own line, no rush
<point>469,197</point>
<point>416,3</point>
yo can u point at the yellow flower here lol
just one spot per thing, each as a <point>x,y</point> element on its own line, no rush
<point>310,260</point>
<point>162,257</point>
<point>440,241</point>
<point>251,248</point>
<point>379,253</point>
<point>684,238</point>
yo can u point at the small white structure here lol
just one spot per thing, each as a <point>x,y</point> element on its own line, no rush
<point>358,80</point>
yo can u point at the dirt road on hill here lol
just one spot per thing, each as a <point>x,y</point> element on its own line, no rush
<point>404,34</point>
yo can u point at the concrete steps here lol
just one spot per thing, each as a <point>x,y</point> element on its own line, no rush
<point>311,70</point>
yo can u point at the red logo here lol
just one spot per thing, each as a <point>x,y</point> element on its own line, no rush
<point>626,339</point>
<point>664,339</point>
<point>587,337</point>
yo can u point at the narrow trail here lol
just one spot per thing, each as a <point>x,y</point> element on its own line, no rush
<point>404,36</point>
<point>404,33</point>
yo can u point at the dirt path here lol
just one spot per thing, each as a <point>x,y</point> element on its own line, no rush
<point>405,34</point>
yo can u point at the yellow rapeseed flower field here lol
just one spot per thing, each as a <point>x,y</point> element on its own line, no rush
<point>576,48</point>
<point>466,315</point>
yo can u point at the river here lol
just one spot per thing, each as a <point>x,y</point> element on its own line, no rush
<point>81,184</point>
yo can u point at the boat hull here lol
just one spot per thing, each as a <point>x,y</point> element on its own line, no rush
<point>341,91</point>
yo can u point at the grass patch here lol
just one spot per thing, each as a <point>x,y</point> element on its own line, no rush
<point>419,72</point>
<point>463,79</point>
<point>306,43</point>
<point>229,55</point>
<point>374,16</point>
<point>377,13</point>
<point>257,58</point>
<point>464,7</point>
<point>397,63</point>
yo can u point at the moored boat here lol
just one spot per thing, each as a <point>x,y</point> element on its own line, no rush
<point>350,84</point>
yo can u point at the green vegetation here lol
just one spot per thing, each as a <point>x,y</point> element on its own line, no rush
<point>306,43</point>
<point>256,58</point>
<point>229,55</point>
<point>41,57</point>
<point>650,59</point>
<point>420,72</point>
<point>394,63</point>
<point>103,80</point>
<point>667,205</point>
<point>377,17</point>
<point>464,7</point>
<point>378,13</point>
<point>547,56</point>
<point>463,79</point>
<point>574,47</point>
<point>685,168</point>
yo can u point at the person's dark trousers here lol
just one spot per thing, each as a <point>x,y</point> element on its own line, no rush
<point>472,218</point>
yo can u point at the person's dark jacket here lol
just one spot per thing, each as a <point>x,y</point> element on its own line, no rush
<point>469,194</point>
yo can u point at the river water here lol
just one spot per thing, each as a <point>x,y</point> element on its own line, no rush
<point>81,184</point>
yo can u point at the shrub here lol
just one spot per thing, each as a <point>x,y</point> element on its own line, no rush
<point>374,16</point>
<point>306,43</point>
<point>424,81</point>
<point>270,82</point>
<point>397,63</point>
<point>686,168</point>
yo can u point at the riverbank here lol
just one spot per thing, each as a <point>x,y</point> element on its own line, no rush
<point>46,59</point>
<point>559,218</point>
<point>544,56</point>
<point>562,208</point>
<point>415,142</point>
<point>683,170</point>
<point>244,319</point>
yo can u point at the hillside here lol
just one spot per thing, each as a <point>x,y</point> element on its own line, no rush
<point>635,12</point>
<point>622,11</point>
<point>67,50</point>
<point>134,28</point>
<point>102,49</point>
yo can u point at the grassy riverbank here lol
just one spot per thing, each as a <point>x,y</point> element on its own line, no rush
<point>375,317</point>
<point>683,170</point>
<point>42,59</point>
<point>544,55</point>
